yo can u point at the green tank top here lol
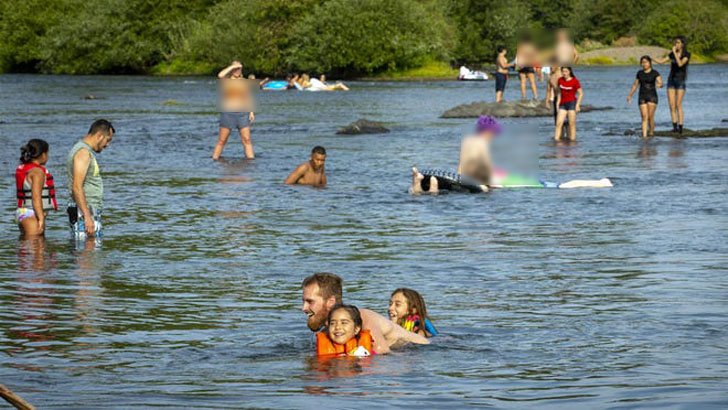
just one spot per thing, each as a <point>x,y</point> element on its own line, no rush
<point>93,185</point>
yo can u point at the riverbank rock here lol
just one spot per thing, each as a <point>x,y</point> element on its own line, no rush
<point>363,126</point>
<point>711,133</point>
<point>527,108</point>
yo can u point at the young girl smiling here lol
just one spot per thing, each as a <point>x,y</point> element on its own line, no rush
<point>407,308</point>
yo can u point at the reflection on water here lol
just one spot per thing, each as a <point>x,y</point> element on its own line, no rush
<point>557,298</point>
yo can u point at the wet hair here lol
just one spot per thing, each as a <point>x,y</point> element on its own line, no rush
<point>648,58</point>
<point>488,123</point>
<point>501,48</point>
<point>415,303</point>
<point>328,283</point>
<point>318,150</point>
<point>102,126</point>
<point>353,312</point>
<point>684,43</point>
<point>571,70</point>
<point>32,150</point>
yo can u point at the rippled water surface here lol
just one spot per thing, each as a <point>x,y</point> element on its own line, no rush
<point>551,298</point>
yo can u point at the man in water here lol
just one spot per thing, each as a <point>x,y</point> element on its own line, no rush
<point>84,180</point>
<point>236,106</point>
<point>475,162</point>
<point>311,172</point>
<point>323,291</point>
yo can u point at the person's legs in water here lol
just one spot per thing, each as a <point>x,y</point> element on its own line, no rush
<point>645,113</point>
<point>651,107</point>
<point>221,141</point>
<point>572,125</point>
<point>559,124</point>
<point>679,95</point>
<point>522,77</point>
<point>534,90</point>
<point>247,143</point>
<point>671,101</point>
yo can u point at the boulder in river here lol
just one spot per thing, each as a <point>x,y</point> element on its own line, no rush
<point>524,108</point>
<point>711,133</point>
<point>363,126</point>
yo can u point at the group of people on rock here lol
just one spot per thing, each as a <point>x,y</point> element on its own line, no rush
<point>564,92</point>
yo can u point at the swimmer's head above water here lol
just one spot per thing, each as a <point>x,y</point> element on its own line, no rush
<point>488,126</point>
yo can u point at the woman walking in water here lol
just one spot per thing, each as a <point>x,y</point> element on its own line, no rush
<point>235,109</point>
<point>679,58</point>
<point>35,188</point>
<point>649,81</point>
<point>568,102</point>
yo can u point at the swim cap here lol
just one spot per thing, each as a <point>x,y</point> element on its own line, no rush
<point>488,123</point>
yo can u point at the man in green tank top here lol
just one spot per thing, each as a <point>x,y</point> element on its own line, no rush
<point>84,179</point>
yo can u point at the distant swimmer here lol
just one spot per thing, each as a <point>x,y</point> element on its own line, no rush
<point>648,80</point>
<point>311,172</point>
<point>36,192</point>
<point>501,73</point>
<point>568,99</point>
<point>236,106</point>
<point>679,58</point>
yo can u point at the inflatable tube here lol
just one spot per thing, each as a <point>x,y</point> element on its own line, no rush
<point>448,180</point>
<point>275,85</point>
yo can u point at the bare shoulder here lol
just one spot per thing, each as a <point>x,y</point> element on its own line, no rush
<point>372,319</point>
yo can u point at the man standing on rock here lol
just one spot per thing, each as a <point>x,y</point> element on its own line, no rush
<point>501,73</point>
<point>323,291</point>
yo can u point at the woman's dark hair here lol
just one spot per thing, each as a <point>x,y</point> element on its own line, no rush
<point>684,42</point>
<point>353,312</point>
<point>32,150</point>
<point>500,49</point>
<point>646,57</point>
<point>571,71</point>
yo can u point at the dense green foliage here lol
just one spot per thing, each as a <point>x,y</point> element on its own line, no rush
<point>344,37</point>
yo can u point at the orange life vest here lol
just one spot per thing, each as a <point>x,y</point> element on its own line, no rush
<point>326,347</point>
<point>25,193</point>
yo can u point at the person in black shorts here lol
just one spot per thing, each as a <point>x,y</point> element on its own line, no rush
<point>679,58</point>
<point>648,80</point>
<point>526,59</point>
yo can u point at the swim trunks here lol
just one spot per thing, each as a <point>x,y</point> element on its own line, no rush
<point>22,214</point>
<point>500,81</point>
<point>676,83</point>
<point>568,106</point>
<point>234,120</point>
<point>526,70</point>
<point>77,223</point>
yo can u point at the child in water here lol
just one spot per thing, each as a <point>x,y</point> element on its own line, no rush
<point>344,335</point>
<point>408,309</point>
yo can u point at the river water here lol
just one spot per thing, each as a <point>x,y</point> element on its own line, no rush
<point>587,298</point>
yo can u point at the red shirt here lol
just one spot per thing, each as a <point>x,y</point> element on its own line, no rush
<point>568,89</point>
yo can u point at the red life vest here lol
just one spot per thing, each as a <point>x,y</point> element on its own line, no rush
<point>25,193</point>
<point>327,347</point>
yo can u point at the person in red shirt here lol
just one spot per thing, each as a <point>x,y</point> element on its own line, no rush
<point>569,102</point>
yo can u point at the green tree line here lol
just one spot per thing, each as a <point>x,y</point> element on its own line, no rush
<point>342,37</point>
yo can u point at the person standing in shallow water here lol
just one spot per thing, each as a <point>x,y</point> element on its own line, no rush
<point>311,172</point>
<point>35,188</point>
<point>648,80</point>
<point>235,109</point>
<point>84,180</point>
<point>568,102</point>
<point>679,58</point>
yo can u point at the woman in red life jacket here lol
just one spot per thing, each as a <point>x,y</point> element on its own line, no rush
<point>344,335</point>
<point>568,99</point>
<point>35,189</point>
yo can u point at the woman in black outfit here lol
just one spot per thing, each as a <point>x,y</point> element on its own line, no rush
<point>679,58</point>
<point>649,81</point>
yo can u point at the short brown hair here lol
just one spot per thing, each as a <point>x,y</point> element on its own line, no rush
<point>329,285</point>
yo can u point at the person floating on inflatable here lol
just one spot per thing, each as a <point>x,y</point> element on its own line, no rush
<point>476,173</point>
<point>407,309</point>
<point>343,335</point>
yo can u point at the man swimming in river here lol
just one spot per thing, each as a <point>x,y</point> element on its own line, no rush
<point>311,172</point>
<point>323,291</point>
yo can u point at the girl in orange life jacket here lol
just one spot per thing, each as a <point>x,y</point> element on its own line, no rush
<point>407,309</point>
<point>35,188</point>
<point>344,335</point>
